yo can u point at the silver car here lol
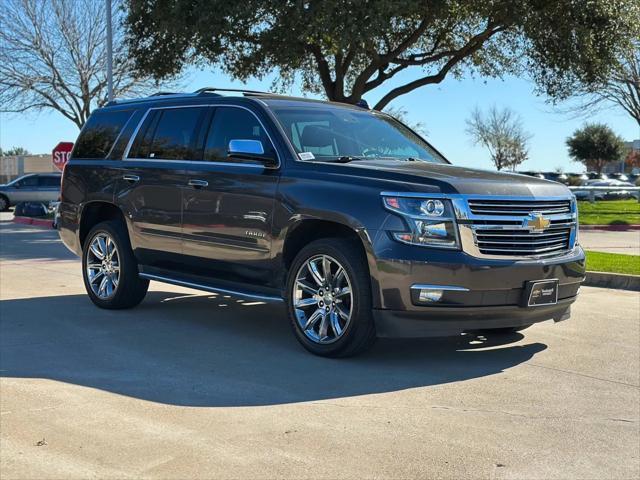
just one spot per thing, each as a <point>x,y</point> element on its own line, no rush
<point>36,187</point>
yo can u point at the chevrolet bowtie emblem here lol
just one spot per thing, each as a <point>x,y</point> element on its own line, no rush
<point>535,222</point>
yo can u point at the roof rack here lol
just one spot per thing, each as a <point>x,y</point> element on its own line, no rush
<point>158,94</point>
<point>204,90</point>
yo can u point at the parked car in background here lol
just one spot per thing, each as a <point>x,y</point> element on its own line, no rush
<point>597,176</point>
<point>556,177</point>
<point>36,187</point>
<point>618,194</point>
<point>619,176</point>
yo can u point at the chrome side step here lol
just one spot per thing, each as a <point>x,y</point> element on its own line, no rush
<point>209,288</point>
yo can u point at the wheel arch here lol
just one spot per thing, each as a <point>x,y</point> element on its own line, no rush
<point>95,212</point>
<point>305,231</point>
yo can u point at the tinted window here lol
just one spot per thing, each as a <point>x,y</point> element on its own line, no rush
<point>49,181</point>
<point>232,124</point>
<point>31,181</point>
<point>99,133</point>
<point>173,137</point>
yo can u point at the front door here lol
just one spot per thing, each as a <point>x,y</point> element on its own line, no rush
<point>228,204</point>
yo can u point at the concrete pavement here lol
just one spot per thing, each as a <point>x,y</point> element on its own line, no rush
<point>192,385</point>
<point>627,242</point>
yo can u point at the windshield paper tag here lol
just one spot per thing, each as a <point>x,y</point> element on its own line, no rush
<point>306,156</point>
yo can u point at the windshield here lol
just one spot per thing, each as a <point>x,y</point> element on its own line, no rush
<point>332,133</point>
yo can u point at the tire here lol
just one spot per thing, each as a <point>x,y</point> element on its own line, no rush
<point>338,337</point>
<point>4,203</point>
<point>506,330</point>
<point>129,289</point>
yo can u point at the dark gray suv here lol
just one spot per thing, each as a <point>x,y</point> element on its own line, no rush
<point>361,226</point>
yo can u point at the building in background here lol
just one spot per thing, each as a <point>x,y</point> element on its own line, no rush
<point>15,166</point>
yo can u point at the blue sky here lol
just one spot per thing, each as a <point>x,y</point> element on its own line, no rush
<point>441,108</point>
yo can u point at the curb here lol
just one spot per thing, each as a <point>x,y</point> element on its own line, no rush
<point>618,281</point>
<point>37,222</point>
<point>611,228</point>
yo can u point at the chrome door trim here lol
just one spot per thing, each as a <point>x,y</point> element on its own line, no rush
<point>208,288</point>
<point>125,155</point>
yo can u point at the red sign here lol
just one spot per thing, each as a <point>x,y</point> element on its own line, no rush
<point>60,154</point>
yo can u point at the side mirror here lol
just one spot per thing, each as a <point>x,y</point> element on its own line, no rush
<point>250,150</point>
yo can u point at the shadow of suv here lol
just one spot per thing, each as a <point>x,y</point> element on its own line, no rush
<point>351,218</point>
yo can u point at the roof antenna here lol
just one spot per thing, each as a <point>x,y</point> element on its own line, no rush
<point>362,103</point>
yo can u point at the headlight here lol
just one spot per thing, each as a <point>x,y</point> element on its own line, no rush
<point>431,221</point>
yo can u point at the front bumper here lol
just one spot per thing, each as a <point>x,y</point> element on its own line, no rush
<point>490,294</point>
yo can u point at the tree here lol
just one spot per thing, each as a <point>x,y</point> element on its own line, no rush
<point>15,151</point>
<point>348,48</point>
<point>621,88</point>
<point>632,159</point>
<point>53,57</point>
<point>401,114</point>
<point>595,145</point>
<point>501,131</point>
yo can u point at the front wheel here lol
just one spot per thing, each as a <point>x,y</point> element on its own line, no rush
<point>329,299</point>
<point>4,203</point>
<point>109,268</point>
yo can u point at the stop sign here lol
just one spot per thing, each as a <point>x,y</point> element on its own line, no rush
<point>60,154</point>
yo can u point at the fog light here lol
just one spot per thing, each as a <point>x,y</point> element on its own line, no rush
<point>430,296</point>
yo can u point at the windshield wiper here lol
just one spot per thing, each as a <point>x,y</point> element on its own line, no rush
<point>347,159</point>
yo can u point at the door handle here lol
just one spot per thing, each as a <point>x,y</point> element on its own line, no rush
<point>131,178</point>
<point>198,183</point>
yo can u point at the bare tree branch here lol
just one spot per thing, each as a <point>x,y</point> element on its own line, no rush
<point>53,56</point>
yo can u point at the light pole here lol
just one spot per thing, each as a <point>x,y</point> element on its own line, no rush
<point>109,54</point>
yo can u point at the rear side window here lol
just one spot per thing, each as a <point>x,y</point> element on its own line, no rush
<point>169,134</point>
<point>99,133</point>
<point>232,124</point>
<point>49,181</point>
<point>31,181</point>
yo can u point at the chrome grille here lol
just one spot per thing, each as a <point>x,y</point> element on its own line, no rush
<point>520,242</point>
<point>519,207</point>
<point>497,227</point>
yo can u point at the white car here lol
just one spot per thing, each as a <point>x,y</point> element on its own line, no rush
<point>35,187</point>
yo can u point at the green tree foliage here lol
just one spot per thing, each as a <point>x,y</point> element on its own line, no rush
<point>348,48</point>
<point>502,133</point>
<point>595,145</point>
<point>14,151</point>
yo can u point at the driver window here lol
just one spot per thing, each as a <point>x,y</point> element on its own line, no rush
<point>228,124</point>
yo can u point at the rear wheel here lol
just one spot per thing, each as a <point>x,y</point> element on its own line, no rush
<point>329,299</point>
<point>109,268</point>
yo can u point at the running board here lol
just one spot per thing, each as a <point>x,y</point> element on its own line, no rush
<point>209,288</point>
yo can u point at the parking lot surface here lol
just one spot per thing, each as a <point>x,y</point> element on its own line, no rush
<point>193,385</point>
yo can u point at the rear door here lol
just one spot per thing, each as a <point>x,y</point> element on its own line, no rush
<point>154,173</point>
<point>228,203</point>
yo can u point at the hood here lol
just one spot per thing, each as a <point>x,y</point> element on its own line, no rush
<point>452,179</point>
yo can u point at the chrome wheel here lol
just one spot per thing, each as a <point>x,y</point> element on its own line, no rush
<point>322,299</point>
<point>103,266</point>
<point>3,204</point>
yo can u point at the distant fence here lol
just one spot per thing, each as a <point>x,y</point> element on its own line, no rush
<point>593,190</point>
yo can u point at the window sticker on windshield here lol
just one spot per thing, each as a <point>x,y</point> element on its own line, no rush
<point>306,156</point>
